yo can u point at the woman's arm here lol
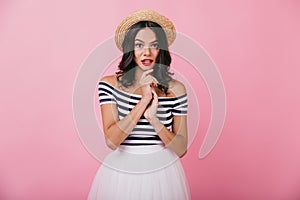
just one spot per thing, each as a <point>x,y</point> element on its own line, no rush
<point>115,130</point>
<point>176,140</point>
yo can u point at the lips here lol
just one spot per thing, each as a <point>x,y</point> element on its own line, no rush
<point>146,62</point>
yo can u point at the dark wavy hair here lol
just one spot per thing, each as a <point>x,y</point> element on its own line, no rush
<point>127,66</point>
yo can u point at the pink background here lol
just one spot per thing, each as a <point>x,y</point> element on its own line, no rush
<point>255,45</point>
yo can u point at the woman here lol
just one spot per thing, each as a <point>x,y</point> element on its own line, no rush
<point>144,116</point>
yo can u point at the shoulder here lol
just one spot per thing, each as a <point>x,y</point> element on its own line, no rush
<point>177,88</point>
<point>112,80</point>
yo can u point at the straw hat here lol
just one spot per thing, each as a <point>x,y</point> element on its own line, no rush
<point>144,15</point>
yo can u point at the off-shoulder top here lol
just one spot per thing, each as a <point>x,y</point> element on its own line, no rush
<point>143,133</point>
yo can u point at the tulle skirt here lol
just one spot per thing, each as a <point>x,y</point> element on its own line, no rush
<point>151,172</point>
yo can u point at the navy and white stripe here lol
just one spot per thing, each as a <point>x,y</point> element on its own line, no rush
<point>143,133</point>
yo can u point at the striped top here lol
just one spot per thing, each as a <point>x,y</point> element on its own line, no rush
<point>143,133</point>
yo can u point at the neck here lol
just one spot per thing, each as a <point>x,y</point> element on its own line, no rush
<point>138,75</point>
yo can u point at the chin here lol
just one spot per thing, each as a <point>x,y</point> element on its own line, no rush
<point>145,68</point>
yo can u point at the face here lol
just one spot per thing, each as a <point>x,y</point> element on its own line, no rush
<point>146,49</point>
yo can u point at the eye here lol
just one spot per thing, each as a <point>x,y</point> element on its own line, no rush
<point>154,46</point>
<point>139,45</point>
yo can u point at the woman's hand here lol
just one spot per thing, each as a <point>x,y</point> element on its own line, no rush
<point>147,81</point>
<point>150,112</point>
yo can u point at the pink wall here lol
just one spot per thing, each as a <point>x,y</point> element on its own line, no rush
<point>255,45</point>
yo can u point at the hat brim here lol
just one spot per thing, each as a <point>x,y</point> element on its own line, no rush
<point>144,15</point>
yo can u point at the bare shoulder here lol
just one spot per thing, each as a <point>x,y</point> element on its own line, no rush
<point>177,88</point>
<point>112,79</point>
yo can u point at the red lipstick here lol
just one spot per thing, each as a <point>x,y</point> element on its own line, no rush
<point>146,62</point>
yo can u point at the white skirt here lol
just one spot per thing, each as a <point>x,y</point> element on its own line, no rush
<point>151,172</point>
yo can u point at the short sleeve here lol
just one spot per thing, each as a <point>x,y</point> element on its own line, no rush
<point>106,94</point>
<point>180,106</point>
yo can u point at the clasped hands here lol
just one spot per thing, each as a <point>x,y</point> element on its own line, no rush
<point>149,98</point>
<point>148,82</point>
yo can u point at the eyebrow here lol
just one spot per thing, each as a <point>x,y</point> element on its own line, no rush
<point>143,41</point>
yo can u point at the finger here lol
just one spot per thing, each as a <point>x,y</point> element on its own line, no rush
<point>153,91</point>
<point>155,80</point>
<point>155,97</point>
<point>152,79</point>
<point>145,73</point>
<point>149,80</point>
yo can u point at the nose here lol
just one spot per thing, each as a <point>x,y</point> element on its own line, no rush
<point>147,51</point>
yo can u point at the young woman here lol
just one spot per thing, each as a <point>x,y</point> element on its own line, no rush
<point>144,114</point>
